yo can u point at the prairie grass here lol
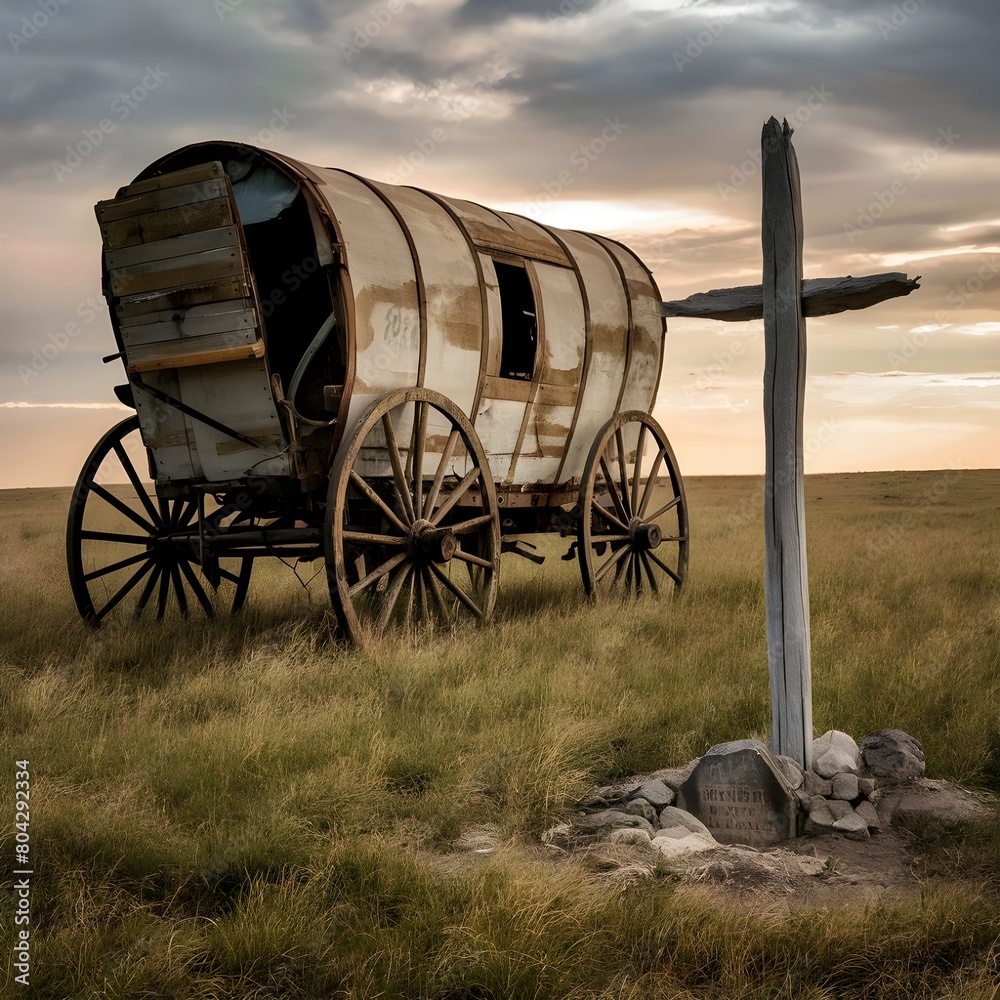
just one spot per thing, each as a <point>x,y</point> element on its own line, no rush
<point>248,808</point>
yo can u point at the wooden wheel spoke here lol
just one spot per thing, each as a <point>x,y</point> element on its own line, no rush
<point>368,538</point>
<point>614,560</point>
<point>647,493</point>
<point>163,593</point>
<point>225,574</point>
<point>474,560</point>
<point>400,483</point>
<point>115,536</point>
<point>456,494</point>
<point>637,470</point>
<point>438,598</point>
<point>622,472</point>
<point>392,595</point>
<point>199,591</point>
<point>442,468</point>
<point>666,569</point>
<point>464,527</point>
<point>417,456</point>
<point>644,557</point>
<point>146,592</point>
<point>422,577</point>
<point>607,515</point>
<point>133,478</point>
<point>376,574</point>
<point>185,513</point>
<point>108,497</point>
<point>111,567</point>
<point>380,503</point>
<point>609,482</point>
<point>457,591</point>
<point>175,576</point>
<point>124,589</point>
<point>667,506</point>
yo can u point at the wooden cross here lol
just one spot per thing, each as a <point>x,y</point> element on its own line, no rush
<point>783,299</point>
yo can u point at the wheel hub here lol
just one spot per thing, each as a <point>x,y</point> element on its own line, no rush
<point>428,543</point>
<point>644,536</point>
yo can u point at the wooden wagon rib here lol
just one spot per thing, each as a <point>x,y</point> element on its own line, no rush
<point>408,381</point>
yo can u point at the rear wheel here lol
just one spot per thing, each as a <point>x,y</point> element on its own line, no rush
<point>133,553</point>
<point>632,535</point>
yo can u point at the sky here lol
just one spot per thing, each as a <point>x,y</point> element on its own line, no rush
<point>639,119</point>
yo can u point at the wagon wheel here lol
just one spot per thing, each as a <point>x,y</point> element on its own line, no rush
<point>130,551</point>
<point>403,549</point>
<point>633,534</point>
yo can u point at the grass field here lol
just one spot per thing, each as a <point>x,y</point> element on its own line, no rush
<point>246,808</point>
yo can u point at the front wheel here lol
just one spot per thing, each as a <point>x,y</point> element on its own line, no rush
<point>413,526</point>
<point>632,535</point>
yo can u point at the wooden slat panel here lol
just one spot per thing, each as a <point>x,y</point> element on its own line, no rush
<point>179,271</point>
<point>144,253</point>
<point>187,353</point>
<point>156,201</point>
<point>189,175</point>
<point>496,238</point>
<point>171,222</point>
<point>150,305</point>
<point>185,325</point>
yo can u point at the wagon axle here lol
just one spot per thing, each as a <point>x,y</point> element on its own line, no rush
<point>428,544</point>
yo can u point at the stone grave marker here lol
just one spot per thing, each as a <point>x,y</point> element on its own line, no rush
<point>739,792</point>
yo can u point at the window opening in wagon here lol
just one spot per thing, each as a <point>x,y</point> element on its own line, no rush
<point>519,335</point>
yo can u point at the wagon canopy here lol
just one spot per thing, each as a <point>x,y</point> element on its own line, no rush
<point>239,277</point>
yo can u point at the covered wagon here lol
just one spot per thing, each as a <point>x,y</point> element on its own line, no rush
<point>399,383</point>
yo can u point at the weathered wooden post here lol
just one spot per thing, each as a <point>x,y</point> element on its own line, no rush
<point>783,299</point>
<point>786,584</point>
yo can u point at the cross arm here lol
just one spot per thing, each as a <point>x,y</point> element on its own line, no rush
<point>820,297</point>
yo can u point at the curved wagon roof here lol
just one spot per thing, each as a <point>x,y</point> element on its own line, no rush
<point>538,334</point>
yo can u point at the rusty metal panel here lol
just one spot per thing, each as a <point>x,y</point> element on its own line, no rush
<point>607,347</point>
<point>452,296</point>
<point>384,282</point>
<point>648,329</point>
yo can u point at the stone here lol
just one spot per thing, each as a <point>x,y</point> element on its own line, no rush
<point>825,813</point>
<point>926,799</point>
<point>866,787</point>
<point>673,818</point>
<point>603,822</point>
<point>617,793</point>
<point>690,843</point>
<point>834,751</point>
<point>640,807</point>
<point>657,793</point>
<point>638,838</point>
<point>815,785</point>
<point>674,777</point>
<point>792,771</point>
<point>869,814</point>
<point>890,755</point>
<point>852,825</point>
<point>844,786</point>
<point>738,790</point>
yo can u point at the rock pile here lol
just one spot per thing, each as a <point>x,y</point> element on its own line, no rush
<point>851,790</point>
